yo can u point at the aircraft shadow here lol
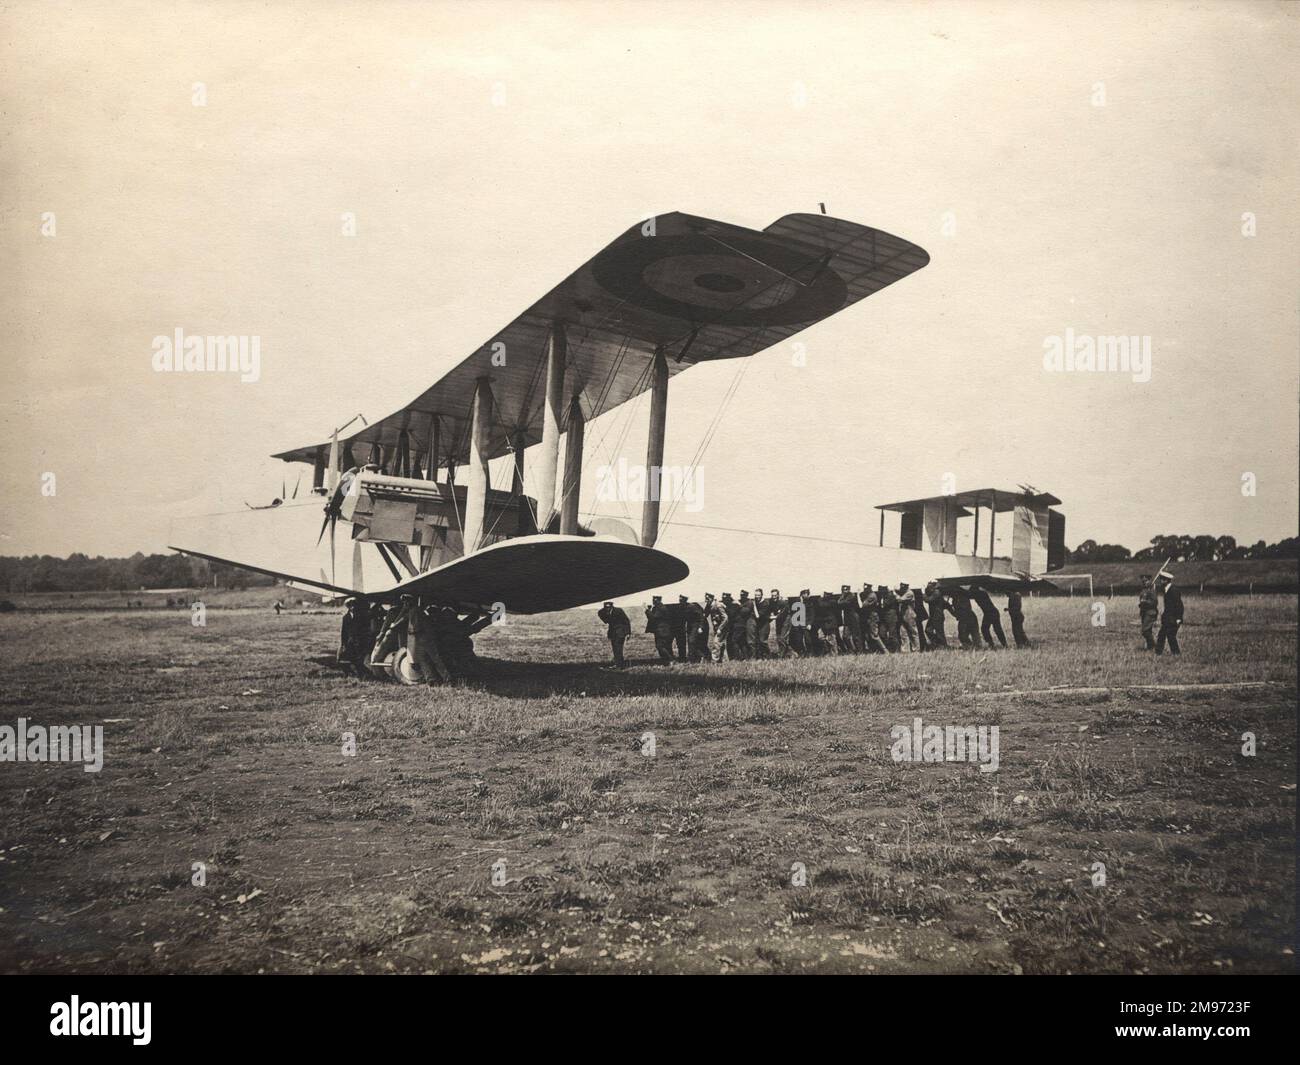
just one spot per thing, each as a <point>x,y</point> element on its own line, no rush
<point>642,676</point>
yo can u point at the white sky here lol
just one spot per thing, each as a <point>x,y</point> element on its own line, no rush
<point>489,149</point>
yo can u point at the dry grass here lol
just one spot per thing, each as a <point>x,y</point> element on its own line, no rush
<point>677,862</point>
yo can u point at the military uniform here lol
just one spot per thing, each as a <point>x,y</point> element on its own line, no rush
<point>659,624</point>
<point>763,608</point>
<point>617,628</point>
<point>938,606</point>
<point>354,639</point>
<point>716,616</point>
<point>784,630</point>
<point>1149,612</point>
<point>967,624</point>
<point>1015,611</point>
<point>869,613</point>
<point>991,619</point>
<point>850,621</point>
<point>907,638</point>
<point>888,617</point>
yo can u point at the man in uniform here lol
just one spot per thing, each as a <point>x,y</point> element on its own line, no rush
<point>784,629</point>
<point>763,609</point>
<point>907,638</point>
<point>354,639</point>
<point>697,633</point>
<point>992,621</point>
<point>967,625</point>
<point>869,615</point>
<point>1149,611</point>
<point>922,616</point>
<point>748,626</point>
<point>660,626</point>
<point>805,630</point>
<point>888,617</point>
<point>717,619</point>
<point>850,620</point>
<point>1016,612</point>
<point>618,628</point>
<point>1172,618</point>
<point>936,606</point>
<point>681,627</point>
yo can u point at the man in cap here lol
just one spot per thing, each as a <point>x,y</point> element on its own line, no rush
<point>748,637</point>
<point>1016,612</point>
<point>888,616</point>
<point>1148,610</point>
<point>967,625</point>
<point>936,606</point>
<point>850,620</point>
<point>922,617</point>
<point>354,639</point>
<point>659,625</point>
<point>617,628</point>
<point>763,610</point>
<point>784,629</point>
<point>828,623</point>
<point>681,627</point>
<point>716,616</point>
<point>907,638</point>
<point>869,613</point>
<point>1172,618</point>
<point>735,627</point>
<point>992,621</point>
<point>697,633</point>
<point>803,618</point>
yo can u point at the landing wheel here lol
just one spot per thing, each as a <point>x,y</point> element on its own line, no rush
<point>403,669</point>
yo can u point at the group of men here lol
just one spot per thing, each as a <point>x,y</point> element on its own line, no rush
<point>1149,609</point>
<point>440,641</point>
<point>877,620</point>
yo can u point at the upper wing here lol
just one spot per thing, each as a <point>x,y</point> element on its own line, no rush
<point>701,289</point>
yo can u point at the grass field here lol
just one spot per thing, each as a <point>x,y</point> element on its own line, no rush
<point>224,746</point>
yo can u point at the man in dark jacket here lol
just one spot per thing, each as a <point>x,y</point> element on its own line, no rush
<point>1171,620</point>
<point>922,617</point>
<point>869,616</point>
<point>1016,612</point>
<point>354,639</point>
<point>659,624</point>
<point>850,620</point>
<point>968,631</point>
<point>697,633</point>
<point>888,617</point>
<point>617,628</point>
<point>937,606</point>
<point>784,630</point>
<point>991,619</point>
<point>763,608</point>
<point>681,627</point>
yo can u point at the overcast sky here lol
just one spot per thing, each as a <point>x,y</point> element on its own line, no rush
<point>1087,167</point>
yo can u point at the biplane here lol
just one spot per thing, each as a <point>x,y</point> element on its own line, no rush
<point>668,294</point>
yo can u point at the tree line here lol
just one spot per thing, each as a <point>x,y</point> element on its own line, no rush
<point>1185,549</point>
<point>81,573</point>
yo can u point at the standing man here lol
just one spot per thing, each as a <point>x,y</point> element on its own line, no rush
<point>1148,611</point>
<point>681,626</point>
<point>717,619</point>
<point>991,619</point>
<point>869,614</point>
<point>967,626</point>
<point>697,632</point>
<point>763,608</point>
<point>748,636</point>
<point>850,620</point>
<point>354,639</point>
<point>937,606</point>
<point>1172,619</point>
<point>735,627</point>
<point>660,626</point>
<point>888,616</point>
<point>922,617</point>
<point>784,630</point>
<point>618,628</point>
<point>1017,615</point>
<point>907,637</point>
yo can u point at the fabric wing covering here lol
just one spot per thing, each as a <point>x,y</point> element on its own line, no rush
<point>700,289</point>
